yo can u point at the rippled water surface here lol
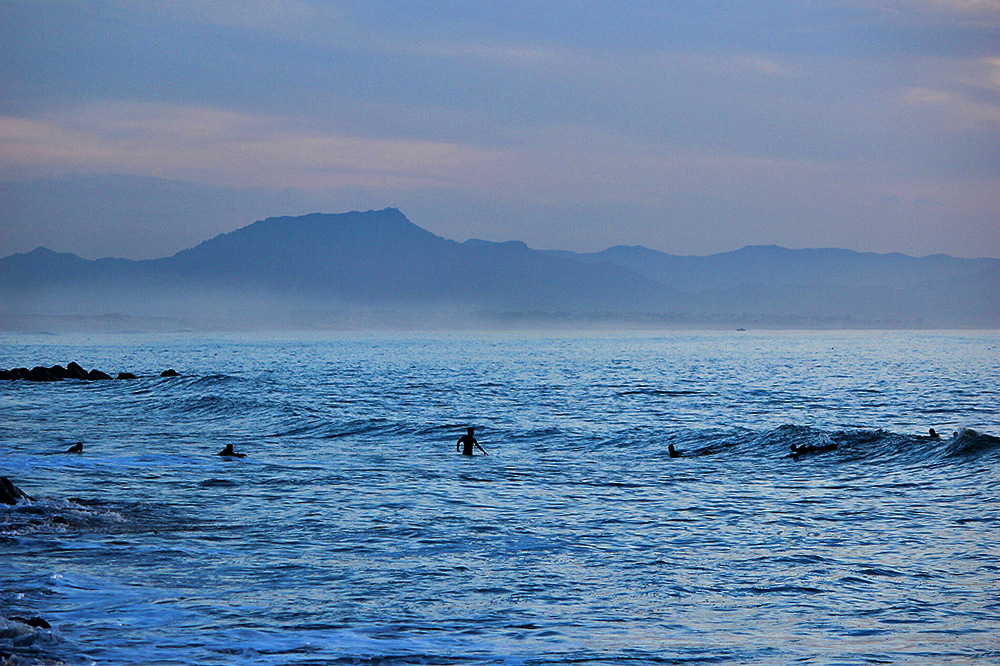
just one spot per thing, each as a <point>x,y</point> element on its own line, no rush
<point>352,533</point>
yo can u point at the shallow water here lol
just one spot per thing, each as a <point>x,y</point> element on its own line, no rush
<point>353,533</point>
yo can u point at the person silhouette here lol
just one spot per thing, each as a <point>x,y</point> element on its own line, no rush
<point>933,434</point>
<point>466,442</point>
<point>230,453</point>
<point>674,453</point>
<point>76,448</point>
<point>811,448</point>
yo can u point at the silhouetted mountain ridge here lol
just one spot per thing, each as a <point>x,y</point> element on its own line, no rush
<point>329,264</point>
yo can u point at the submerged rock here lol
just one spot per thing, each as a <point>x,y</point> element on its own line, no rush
<point>9,493</point>
<point>170,373</point>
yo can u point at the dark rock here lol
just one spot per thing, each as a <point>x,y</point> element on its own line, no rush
<point>74,371</point>
<point>57,372</point>
<point>40,374</point>
<point>36,622</point>
<point>16,373</point>
<point>9,493</point>
<point>170,373</point>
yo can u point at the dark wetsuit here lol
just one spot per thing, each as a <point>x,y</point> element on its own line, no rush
<point>467,442</point>
<point>810,448</point>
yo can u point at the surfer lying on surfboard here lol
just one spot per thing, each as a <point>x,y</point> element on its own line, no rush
<point>228,452</point>
<point>809,448</point>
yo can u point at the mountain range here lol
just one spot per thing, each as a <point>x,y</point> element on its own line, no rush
<point>378,268</point>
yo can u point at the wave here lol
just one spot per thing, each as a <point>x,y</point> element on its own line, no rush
<point>215,406</point>
<point>839,445</point>
<point>51,516</point>
<point>352,428</point>
<point>663,393</point>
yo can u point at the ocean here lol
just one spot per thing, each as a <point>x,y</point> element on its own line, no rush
<point>353,533</point>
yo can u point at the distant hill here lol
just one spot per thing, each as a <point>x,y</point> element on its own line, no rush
<point>378,268</point>
<point>771,282</point>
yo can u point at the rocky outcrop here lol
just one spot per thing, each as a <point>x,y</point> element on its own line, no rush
<point>74,371</point>
<point>36,622</point>
<point>9,493</point>
<point>57,373</point>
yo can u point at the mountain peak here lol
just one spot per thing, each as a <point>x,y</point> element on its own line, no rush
<point>312,236</point>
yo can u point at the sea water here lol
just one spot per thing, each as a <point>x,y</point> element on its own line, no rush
<point>352,533</point>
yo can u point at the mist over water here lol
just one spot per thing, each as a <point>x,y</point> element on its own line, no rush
<point>353,533</point>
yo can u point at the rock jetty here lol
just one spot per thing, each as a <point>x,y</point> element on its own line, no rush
<point>72,371</point>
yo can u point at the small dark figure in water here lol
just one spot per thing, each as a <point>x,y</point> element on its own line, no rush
<point>674,453</point>
<point>230,453</point>
<point>76,448</point>
<point>933,434</point>
<point>466,442</point>
<point>809,448</point>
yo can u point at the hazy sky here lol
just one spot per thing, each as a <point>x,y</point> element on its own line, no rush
<point>137,128</point>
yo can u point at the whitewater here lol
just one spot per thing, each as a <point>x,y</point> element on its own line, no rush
<point>353,533</point>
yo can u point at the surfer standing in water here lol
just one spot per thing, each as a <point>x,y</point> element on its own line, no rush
<point>466,441</point>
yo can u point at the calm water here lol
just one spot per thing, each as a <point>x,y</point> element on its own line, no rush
<point>353,534</point>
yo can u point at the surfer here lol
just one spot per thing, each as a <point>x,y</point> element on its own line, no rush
<point>809,448</point>
<point>230,453</point>
<point>466,441</point>
<point>674,453</point>
<point>933,434</point>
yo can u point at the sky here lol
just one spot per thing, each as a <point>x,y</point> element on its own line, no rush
<point>138,128</point>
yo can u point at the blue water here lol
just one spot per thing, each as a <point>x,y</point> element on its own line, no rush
<point>352,533</point>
